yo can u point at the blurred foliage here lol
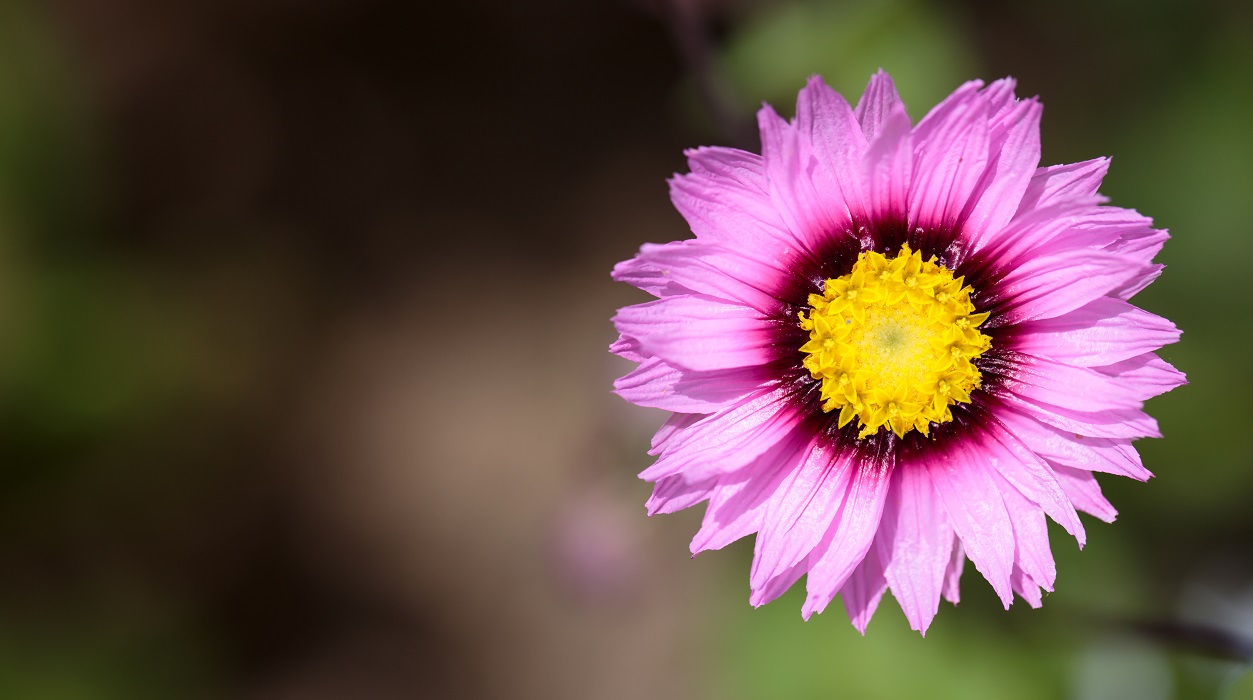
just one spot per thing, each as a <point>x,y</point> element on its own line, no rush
<point>128,656</point>
<point>782,657</point>
<point>771,53</point>
<point>49,182</point>
<point>58,299</point>
<point>95,349</point>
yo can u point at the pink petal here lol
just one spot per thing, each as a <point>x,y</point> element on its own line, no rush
<point>687,267</point>
<point>889,167</point>
<point>878,104</point>
<point>1146,375</point>
<point>949,160</point>
<point>1123,232</point>
<point>1053,285</point>
<point>1102,332</point>
<point>725,201</point>
<point>1123,423</point>
<point>801,512</point>
<point>699,333</point>
<point>1037,232</point>
<point>1138,282</point>
<point>839,147</point>
<point>628,348</point>
<point>1001,99</point>
<point>1082,488</point>
<point>1142,242</point>
<point>864,589</point>
<point>674,493</point>
<point>850,536</point>
<point>778,585</point>
<point>953,575</point>
<point>728,440</point>
<point>1016,153</point>
<point>658,385</point>
<point>1077,388</point>
<point>977,513</point>
<point>1057,182</point>
<point>921,545</point>
<point>1031,537</point>
<point>1061,447</point>
<point>807,213</point>
<point>674,426</point>
<point>1026,587</point>
<point>945,111</point>
<point>1028,474</point>
<point>728,166</point>
<point>738,505</point>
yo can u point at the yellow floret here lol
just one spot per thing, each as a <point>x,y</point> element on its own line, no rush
<point>893,342</point>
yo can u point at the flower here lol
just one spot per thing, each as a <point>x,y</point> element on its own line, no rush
<point>890,347</point>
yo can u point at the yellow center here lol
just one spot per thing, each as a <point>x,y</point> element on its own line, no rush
<point>893,342</point>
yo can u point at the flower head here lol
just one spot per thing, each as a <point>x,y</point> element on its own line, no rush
<point>890,347</point>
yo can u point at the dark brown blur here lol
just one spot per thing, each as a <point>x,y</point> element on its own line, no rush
<point>375,240</point>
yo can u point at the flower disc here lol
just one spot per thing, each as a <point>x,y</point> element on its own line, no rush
<point>893,342</point>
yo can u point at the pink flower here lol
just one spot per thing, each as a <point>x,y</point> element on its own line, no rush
<point>891,347</point>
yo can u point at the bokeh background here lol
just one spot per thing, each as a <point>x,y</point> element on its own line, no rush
<point>303,381</point>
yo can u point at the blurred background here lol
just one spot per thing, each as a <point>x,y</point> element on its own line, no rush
<point>303,381</point>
